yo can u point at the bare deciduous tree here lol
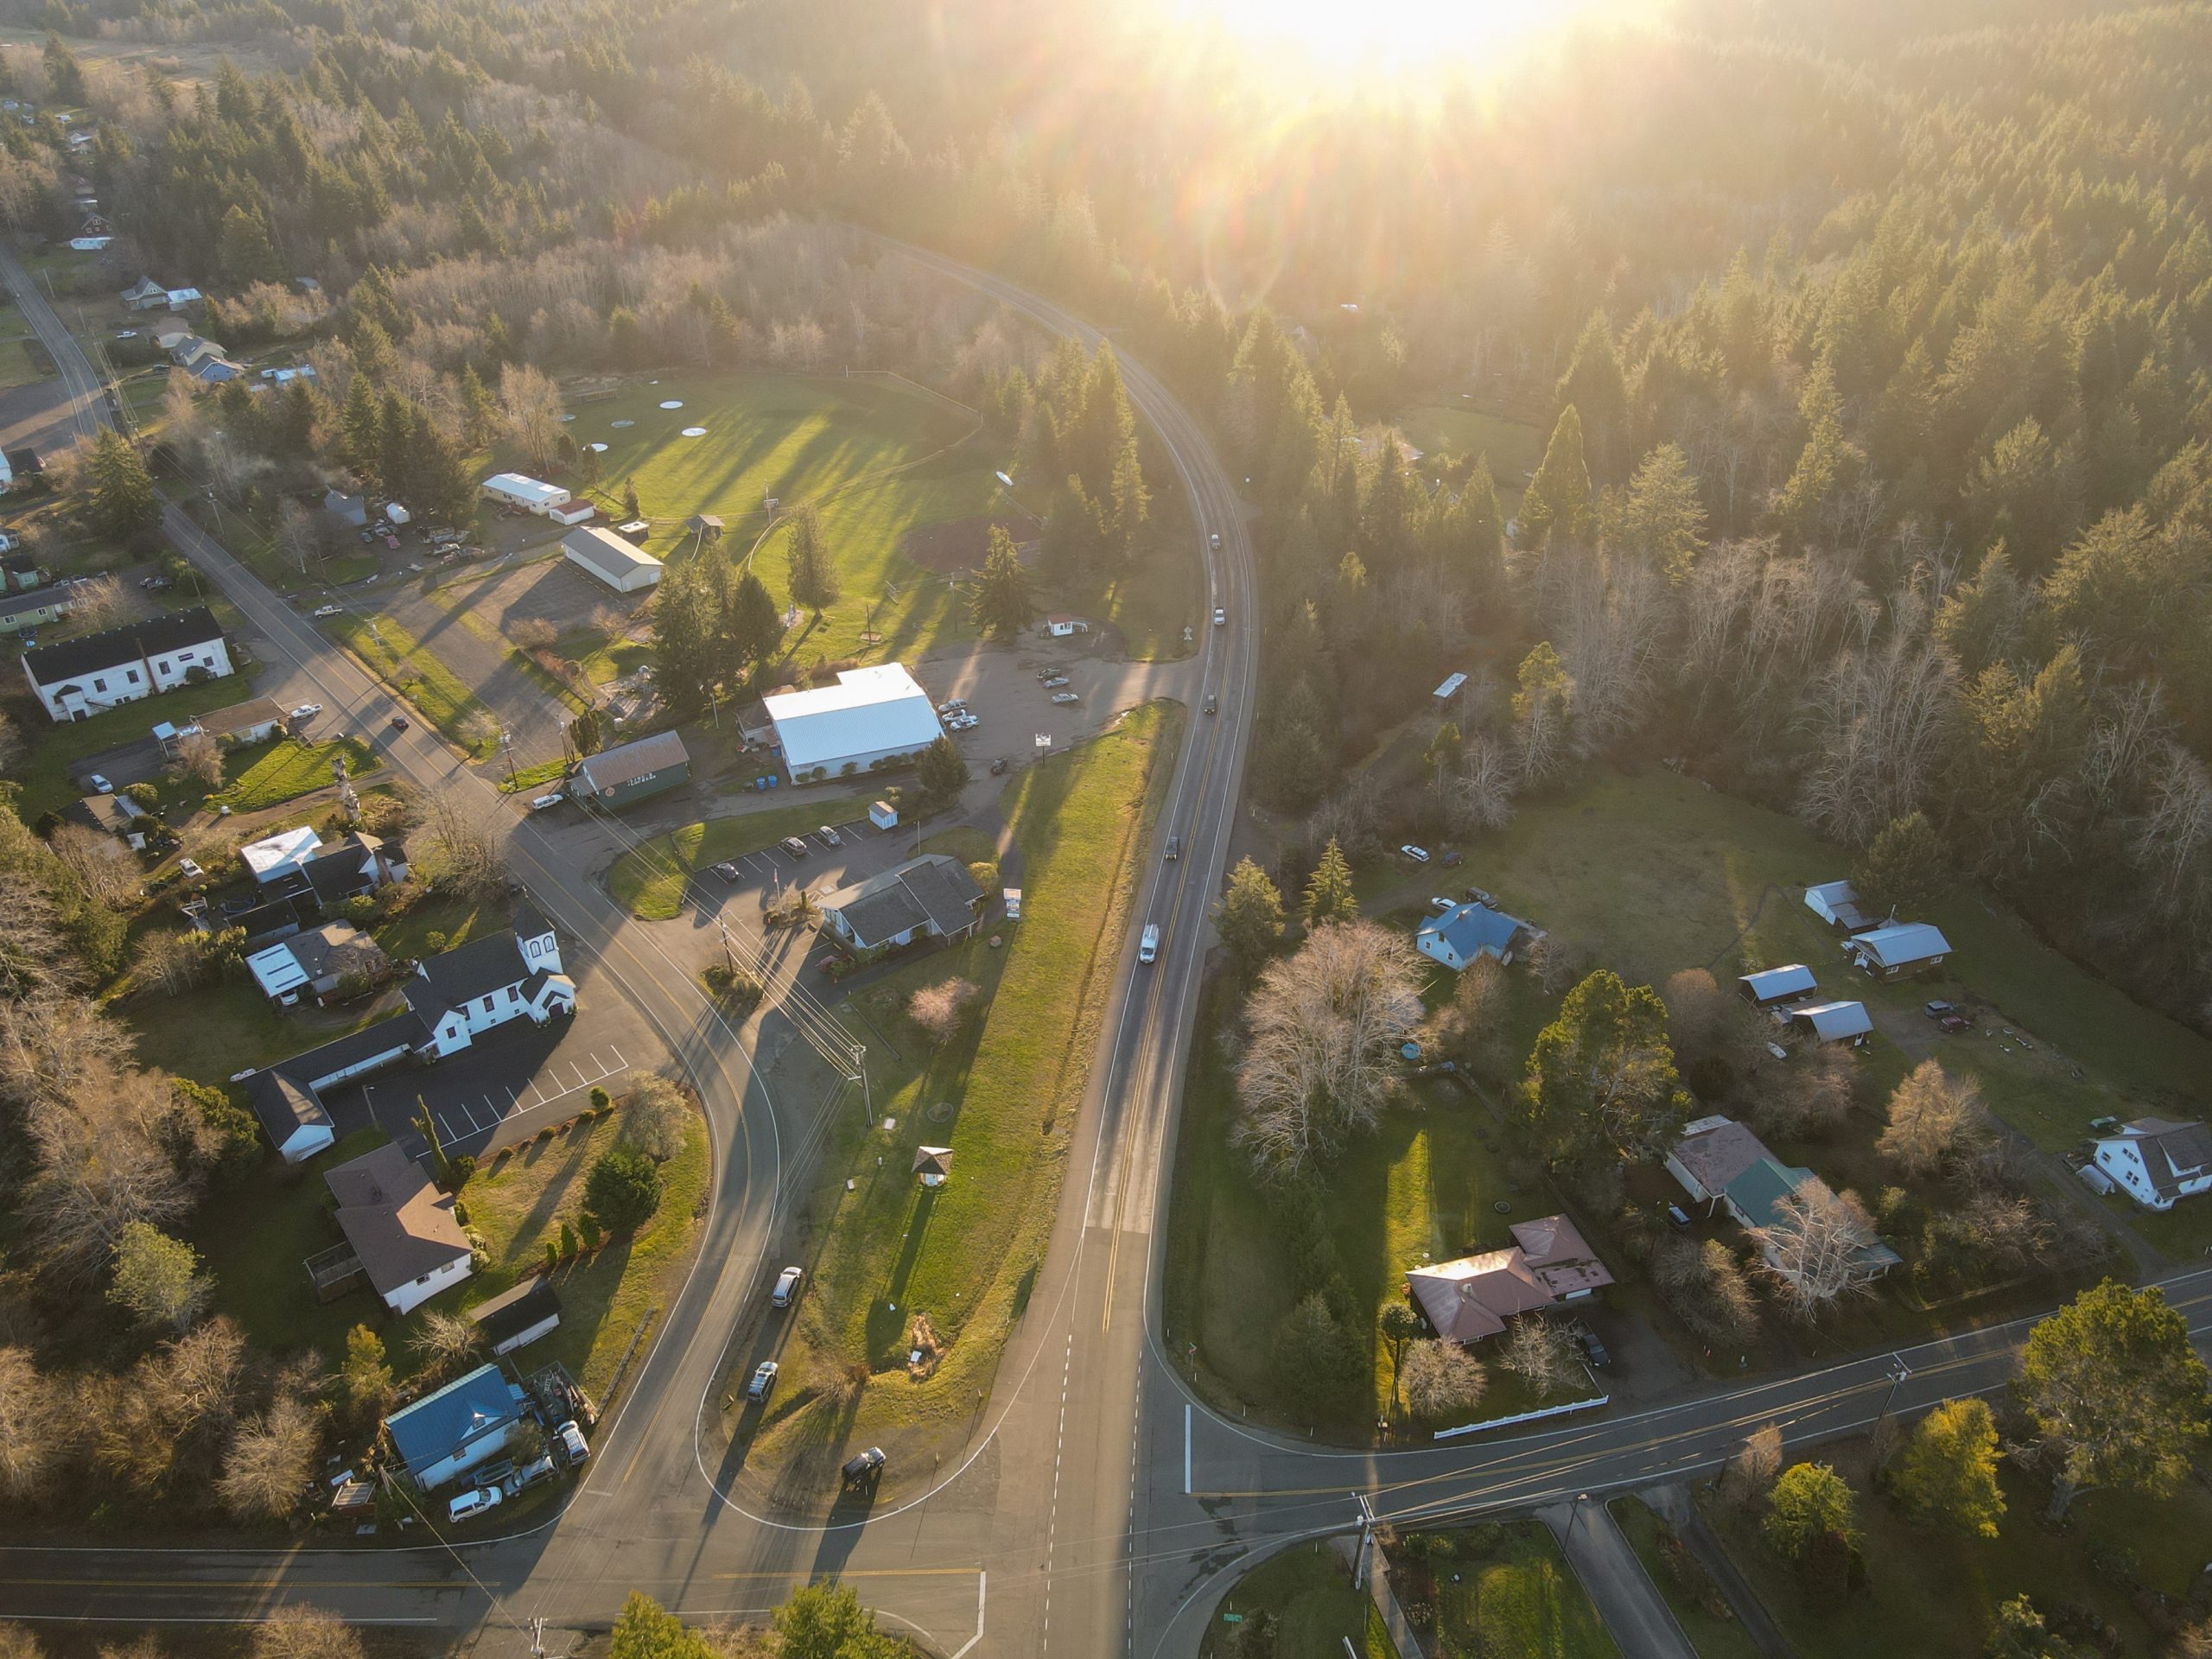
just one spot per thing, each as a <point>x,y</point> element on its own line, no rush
<point>1440,1378</point>
<point>50,1039</point>
<point>531,402</point>
<point>1818,1249</point>
<point>1481,796</point>
<point>459,851</point>
<point>267,1472</point>
<point>1540,1353</point>
<point>200,758</point>
<point>1325,1025</point>
<point>1752,1472</point>
<point>171,961</point>
<point>297,1632</point>
<point>942,1010</point>
<point>101,865</point>
<point>444,1340</point>
<point>1706,1287</point>
<point>101,1166</point>
<point>1808,1094</point>
<point>31,1432</point>
<point>12,746</point>
<point>656,1117</point>
<point>1933,1117</point>
<point>1880,722</point>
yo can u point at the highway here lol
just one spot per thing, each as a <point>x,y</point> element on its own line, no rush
<point>1102,1511</point>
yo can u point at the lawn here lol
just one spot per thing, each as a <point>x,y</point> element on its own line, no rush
<point>1927,1592</point>
<point>519,1201</point>
<point>408,933</point>
<point>603,657</point>
<point>1460,431</point>
<point>1003,1095</point>
<point>57,746</point>
<point>284,769</point>
<point>1305,1595</point>
<point>1713,1636</point>
<point>648,881</point>
<point>217,1030</point>
<point>22,363</point>
<point>1499,1588</point>
<point>392,653</point>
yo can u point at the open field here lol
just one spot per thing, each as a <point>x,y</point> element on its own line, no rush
<point>1002,1095</point>
<point>216,1030</point>
<point>393,656</point>
<point>1459,430</point>
<point>1926,1592</point>
<point>1305,1595</point>
<point>1499,1588</point>
<point>284,770</point>
<point>1712,1636</point>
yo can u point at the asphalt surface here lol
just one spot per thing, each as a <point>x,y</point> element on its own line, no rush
<point>1105,1512</point>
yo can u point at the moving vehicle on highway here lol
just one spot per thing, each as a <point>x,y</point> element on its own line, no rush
<point>1174,847</point>
<point>1148,947</point>
<point>1214,541</point>
<point>399,722</point>
<point>1220,617</point>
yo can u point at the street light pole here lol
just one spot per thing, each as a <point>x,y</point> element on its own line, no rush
<point>1898,1372</point>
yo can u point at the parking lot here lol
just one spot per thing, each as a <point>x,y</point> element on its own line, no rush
<point>1003,687</point>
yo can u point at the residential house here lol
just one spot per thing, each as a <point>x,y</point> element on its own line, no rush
<point>314,963</point>
<point>214,370</point>
<point>1713,1151</point>
<point>401,1228</point>
<point>467,1422</point>
<point>189,350</point>
<point>486,982</point>
<point>1755,1196</point>
<point>1837,904</point>
<point>1834,1022</point>
<point>287,1098</point>
<point>514,1318</point>
<point>601,553</point>
<point>932,897</point>
<point>274,857</point>
<point>520,490</point>
<point>933,1165</point>
<point>286,375</point>
<point>1898,951</point>
<point>113,815</point>
<point>182,299</point>
<point>255,721</point>
<point>20,572</point>
<point>144,294</point>
<point>1773,986</point>
<point>79,678</point>
<point>1472,1297</point>
<point>36,609</point>
<point>352,510</point>
<point>2158,1162</point>
<point>1466,931</point>
<point>631,772</point>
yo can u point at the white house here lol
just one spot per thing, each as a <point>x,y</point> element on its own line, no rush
<point>1836,904</point>
<point>274,857</point>
<point>402,1229</point>
<point>144,294</point>
<point>1061,626</point>
<point>79,678</point>
<point>520,490</point>
<point>488,982</point>
<point>1900,951</point>
<point>2157,1161</point>
<point>467,1422</point>
<point>575,512</point>
<point>1465,931</point>
<point>181,298</point>
<point>872,716</point>
<point>601,553</point>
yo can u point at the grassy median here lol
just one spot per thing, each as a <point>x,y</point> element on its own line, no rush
<point>394,656</point>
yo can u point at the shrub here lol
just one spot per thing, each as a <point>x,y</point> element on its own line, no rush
<point>459,1168</point>
<point>623,1189</point>
<point>143,795</point>
<point>592,1234</point>
<point>433,941</point>
<point>601,1100</point>
<point>552,1256</point>
<point>568,1239</point>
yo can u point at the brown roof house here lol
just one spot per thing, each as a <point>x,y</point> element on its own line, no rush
<point>1713,1151</point>
<point>400,1226</point>
<point>1472,1297</point>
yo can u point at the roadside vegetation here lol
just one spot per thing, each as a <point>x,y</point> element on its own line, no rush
<point>1495,1587</point>
<point>1298,1603</point>
<point>999,1083</point>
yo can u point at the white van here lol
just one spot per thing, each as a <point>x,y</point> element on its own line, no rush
<point>1148,947</point>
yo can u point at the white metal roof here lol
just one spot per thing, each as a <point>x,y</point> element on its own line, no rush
<point>276,970</point>
<point>1772,982</point>
<point>1907,942</point>
<point>869,711</point>
<point>1451,684</point>
<point>285,850</point>
<point>606,553</point>
<point>520,486</point>
<point>1834,1021</point>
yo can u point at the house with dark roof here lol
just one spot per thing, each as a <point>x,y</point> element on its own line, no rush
<point>315,961</point>
<point>112,815</point>
<point>287,1098</point>
<point>36,607</point>
<point>2158,1162</point>
<point>1755,1200</point>
<point>255,721</point>
<point>930,896</point>
<point>516,1317</point>
<point>79,678</point>
<point>485,983</point>
<point>401,1228</point>
<point>22,571</point>
<point>465,1423</point>
<point>1466,931</point>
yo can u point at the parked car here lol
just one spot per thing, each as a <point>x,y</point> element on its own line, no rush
<point>763,1381</point>
<point>1482,898</point>
<point>963,722</point>
<point>868,1465</point>
<point>1174,847</point>
<point>1937,1009</point>
<point>1593,1350</point>
<point>786,1290</point>
<point>327,610</point>
<point>570,1439</point>
<point>100,786</point>
<point>1418,855</point>
<point>1051,681</point>
<point>528,1476</point>
<point>951,705</point>
<point>1454,858</point>
<point>1442,906</point>
<point>793,845</point>
<point>1220,617</point>
<point>998,767</point>
<point>1066,696</point>
<point>546,803</point>
<point>472,1502</point>
<point>727,871</point>
<point>828,837</point>
<point>189,870</point>
<point>157,584</point>
<point>1954,1023</point>
<point>305,711</point>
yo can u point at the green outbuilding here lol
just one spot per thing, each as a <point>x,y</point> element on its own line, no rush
<point>617,777</point>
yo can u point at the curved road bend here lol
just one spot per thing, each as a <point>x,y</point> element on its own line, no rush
<point>1107,1512</point>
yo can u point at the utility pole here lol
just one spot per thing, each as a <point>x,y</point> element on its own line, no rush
<point>859,1053</point>
<point>507,748</point>
<point>1898,1372</point>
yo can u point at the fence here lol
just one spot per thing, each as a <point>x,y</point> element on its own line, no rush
<point>1523,1417</point>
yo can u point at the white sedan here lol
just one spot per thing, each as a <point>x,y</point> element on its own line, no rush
<point>1220,617</point>
<point>306,711</point>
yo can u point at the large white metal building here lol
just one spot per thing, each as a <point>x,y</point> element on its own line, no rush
<point>519,490</point>
<point>871,714</point>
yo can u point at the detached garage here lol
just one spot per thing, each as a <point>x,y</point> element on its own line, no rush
<point>601,553</point>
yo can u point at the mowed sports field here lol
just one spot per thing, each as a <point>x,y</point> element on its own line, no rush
<point>880,461</point>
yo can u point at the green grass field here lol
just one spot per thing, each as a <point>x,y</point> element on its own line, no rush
<point>394,656</point>
<point>1714,1637</point>
<point>1926,1592</point>
<point>283,771</point>
<point>1003,1095</point>
<point>648,881</point>
<point>55,748</point>
<point>1500,1589</point>
<point>1459,430</point>
<point>1304,1596</point>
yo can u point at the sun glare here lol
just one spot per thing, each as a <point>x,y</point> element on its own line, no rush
<point>1401,36</point>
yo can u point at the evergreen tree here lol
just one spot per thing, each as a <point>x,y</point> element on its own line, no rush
<point>124,503</point>
<point>1947,1475</point>
<point>1663,520</point>
<point>1000,603</point>
<point>1556,505</point>
<point>1905,868</point>
<point>1601,1082</point>
<point>1829,462</point>
<point>686,637</point>
<point>943,770</point>
<point>360,422</point>
<point>1391,508</point>
<point>244,250</point>
<point>1329,896</point>
<point>1249,917</point>
<point>1809,1502</point>
<point>1593,385</point>
<point>481,413</point>
<point>365,1378</point>
<point>631,510</point>
<point>64,74</point>
<point>645,1630</point>
<point>814,571</point>
<point>751,622</point>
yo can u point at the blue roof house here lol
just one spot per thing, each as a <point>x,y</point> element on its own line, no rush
<point>467,1422</point>
<point>1465,931</point>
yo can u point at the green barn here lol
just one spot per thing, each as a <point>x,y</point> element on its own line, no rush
<point>615,777</point>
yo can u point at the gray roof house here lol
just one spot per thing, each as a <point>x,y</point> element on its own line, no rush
<point>930,896</point>
<point>1899,951</point>
<point>314,963</point>
<point>1772,985</point>
<point>1834,1022</point>
<point>402,1228</point>
<point>2158,1162</point>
